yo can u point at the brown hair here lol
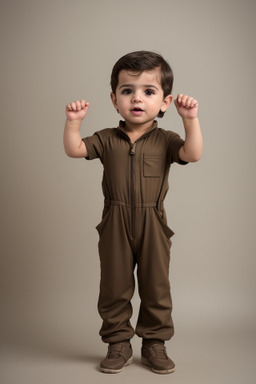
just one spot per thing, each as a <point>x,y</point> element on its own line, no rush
<point>140,61</point>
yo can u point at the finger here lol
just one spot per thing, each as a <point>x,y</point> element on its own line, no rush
<point>179,97</point>
<point>194,103</point>
<point>73,105</point>
<point>82,103</point>
<point>182,99</point>
<point>69,108</point>
<point>189,102</point>
<point>78,105</point>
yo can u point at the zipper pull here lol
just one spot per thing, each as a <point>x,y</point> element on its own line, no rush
<point>133,149</point>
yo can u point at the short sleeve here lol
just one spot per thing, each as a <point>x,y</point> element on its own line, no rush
<point>94,146</point>
<point>174,143</point>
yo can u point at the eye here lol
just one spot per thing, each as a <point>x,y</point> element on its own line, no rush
<point>149,92</point>
<point>126,91</point>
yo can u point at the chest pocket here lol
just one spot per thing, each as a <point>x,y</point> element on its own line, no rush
<point>153,165</point>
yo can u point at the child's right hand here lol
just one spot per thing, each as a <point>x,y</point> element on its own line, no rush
<point>77,110</point>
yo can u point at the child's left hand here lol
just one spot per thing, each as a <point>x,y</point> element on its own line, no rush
<point>187,107</point>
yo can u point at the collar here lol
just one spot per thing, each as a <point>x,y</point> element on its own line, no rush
<point>121,127</point>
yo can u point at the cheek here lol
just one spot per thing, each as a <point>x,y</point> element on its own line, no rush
<point>155,104</point>
<point>122,102</point>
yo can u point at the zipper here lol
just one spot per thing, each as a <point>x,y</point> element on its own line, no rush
<point>132,154</point>
<point>133,209</point>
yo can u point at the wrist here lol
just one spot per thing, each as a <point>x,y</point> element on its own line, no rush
<point>189,119</point>
<point>191,124</point>
<point>73,124</point>
<point>73,121</point>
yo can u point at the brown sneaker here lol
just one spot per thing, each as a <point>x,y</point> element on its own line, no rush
<point>156,358</point>
<point>119,355</point>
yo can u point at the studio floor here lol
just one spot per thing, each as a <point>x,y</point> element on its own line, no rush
<point>222,357</point>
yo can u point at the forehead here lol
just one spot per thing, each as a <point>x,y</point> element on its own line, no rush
<point>152,76</point>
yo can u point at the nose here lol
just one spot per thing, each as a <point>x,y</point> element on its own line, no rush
<point>137,97</point>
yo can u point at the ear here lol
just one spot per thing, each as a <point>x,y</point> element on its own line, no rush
<point>113,98</point>
<point>166,103</point>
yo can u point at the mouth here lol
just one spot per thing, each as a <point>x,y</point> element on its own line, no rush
<point>137,111</point>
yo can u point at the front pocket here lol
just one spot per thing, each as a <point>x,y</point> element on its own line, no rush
<point>153,165</point>
<point>102,225</point>
<point>167,231</point>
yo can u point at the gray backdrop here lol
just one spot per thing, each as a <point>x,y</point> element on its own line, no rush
<point>53,52</point>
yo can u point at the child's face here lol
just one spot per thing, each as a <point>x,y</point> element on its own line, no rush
<point>140,97</point>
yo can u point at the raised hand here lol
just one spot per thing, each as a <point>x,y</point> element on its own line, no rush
<point>187,106</point>
<point>77,110</point>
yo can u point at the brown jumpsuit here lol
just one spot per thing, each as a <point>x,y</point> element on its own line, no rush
<point>133,230</point>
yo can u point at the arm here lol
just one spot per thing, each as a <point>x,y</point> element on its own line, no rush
<point>73,144</point>
<point>187,108</point>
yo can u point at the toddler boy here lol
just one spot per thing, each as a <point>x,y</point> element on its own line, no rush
<point>136,157</point>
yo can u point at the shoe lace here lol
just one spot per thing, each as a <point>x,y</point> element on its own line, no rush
<point>114,351</point>
<point>160,352</point>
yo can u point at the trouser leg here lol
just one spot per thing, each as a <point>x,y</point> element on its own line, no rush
<point>117,280</point>
<point>154,321</point>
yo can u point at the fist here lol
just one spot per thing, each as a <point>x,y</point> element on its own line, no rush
<point>77,110</point>
<point>187,106</point>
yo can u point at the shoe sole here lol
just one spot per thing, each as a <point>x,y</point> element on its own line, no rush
<point>109,370</point>
<point>161,372</point>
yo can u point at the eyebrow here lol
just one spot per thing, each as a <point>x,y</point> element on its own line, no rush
<point>144,85</point>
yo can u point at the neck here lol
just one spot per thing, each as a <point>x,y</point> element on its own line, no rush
<point>138,128</point>
<point>135,131</point>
